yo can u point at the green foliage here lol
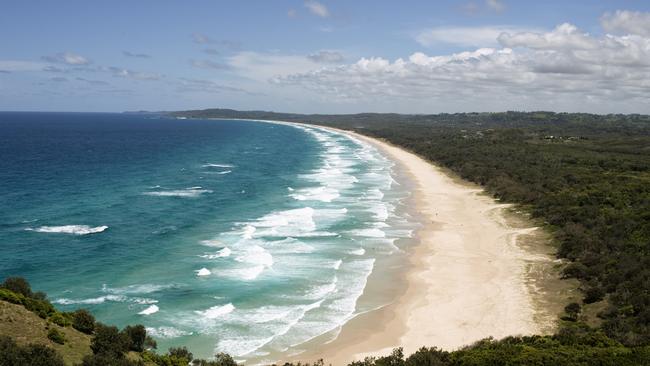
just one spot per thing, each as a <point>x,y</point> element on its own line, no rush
<point>10,296</point>
<point>12,354</point>
<point>136,335</point>
<point>108,360</point>
<point>572,311</point>
<point>18,285</point>
<point>55,336</point>
<point>83,321</point>
<point>109,341</point>
<point>220,359</point>
<point>61,319</point>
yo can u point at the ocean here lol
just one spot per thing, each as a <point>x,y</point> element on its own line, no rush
<point>244,237</point>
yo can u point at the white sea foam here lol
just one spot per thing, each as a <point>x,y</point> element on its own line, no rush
<point>369,233</point>
<point>203,272</point>
<point>91,301</point>
<point>256,255</point>
<point>137,289</point>
<point>150,310</point>
<point>225,172</point>
<point>191,192</point>
<point>359,251</point>
<point>225,252</point>
<point>166,332</point>
<point>248,232</point>
<point>70,229</point>
<point>210,165</point>
<point>216,311</point>
<point>323,194</point>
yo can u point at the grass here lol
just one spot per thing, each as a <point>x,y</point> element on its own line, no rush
<point>26,327</point>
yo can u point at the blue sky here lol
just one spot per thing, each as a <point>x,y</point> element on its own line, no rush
<point>326,56</point>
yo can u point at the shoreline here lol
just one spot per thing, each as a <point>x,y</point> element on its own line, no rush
<point>475,270</point>
<point>469,277</point>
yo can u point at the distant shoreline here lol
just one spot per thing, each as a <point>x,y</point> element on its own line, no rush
<point>469,278</point>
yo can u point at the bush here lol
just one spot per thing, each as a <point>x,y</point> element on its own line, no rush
<point>137,335</point>
<point>108,340</point>
<point>33,355</point>
<point>572,311</point>
<point>55,336</point>
<point>593,294</point>
<point>10,296</point>
<point>61,319</point>
<point>83,321</point>
<point>106,360</point>
<point>42,308</point>
<point>18,285</point>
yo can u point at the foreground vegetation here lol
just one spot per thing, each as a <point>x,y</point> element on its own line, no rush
<point>587,177</point>
<point>575,344</point>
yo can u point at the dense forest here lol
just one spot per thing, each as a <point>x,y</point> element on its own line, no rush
<point>585,176</point>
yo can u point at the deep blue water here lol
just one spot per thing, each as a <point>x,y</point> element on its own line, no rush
<point>236,236</point>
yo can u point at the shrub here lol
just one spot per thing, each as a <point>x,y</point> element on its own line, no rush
<point>83,321</point>
<point>10,296</point>
<point>55,336</point>
<point>33,355</point>
<point>108,340</point>
<point>572,311</point>
<point>18,285</point>
<point>137,335</point>
<point>593,294</point>
<point>61,319</point>
<point>42,308</point>
<point>106,360</point>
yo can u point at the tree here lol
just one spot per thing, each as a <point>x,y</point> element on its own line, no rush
<point>108,340</point>
<point>55,336</point>
<point>18,285</point>
<point>572,311</point>
<point>137,336</point>
<point>83,321</point>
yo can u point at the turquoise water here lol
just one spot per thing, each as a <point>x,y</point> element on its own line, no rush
<point>238,236</point>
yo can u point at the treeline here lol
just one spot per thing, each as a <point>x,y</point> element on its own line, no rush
<point>587,177</point>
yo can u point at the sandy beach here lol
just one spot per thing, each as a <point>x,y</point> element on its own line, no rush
<point>468,276</point>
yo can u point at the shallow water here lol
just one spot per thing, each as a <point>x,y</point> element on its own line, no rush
<point>237,236</point>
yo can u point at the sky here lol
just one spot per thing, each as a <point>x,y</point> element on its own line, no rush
<point>325,56</point>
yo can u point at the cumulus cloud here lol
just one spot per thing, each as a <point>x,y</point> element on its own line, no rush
<point>565,36</point>
<point>93,82</point>
<point>326,57</point>
<point>265,66</point>
<point>465,36</point>
<point>135,55</point>
<point>627,22</point>
<point>562,68</point>
<point>67,58</point>
<point>317,8</point>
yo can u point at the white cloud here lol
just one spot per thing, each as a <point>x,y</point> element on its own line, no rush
<point>267,66</point>
<point>317,8</point>
<point>135,55</point>
<point>564,69</point>
<point>564,36</point>
<point>465,36</point>
<point>291,13</point>
<point>68,58</point>
<point>495,5</point>
<point>628,22</point>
